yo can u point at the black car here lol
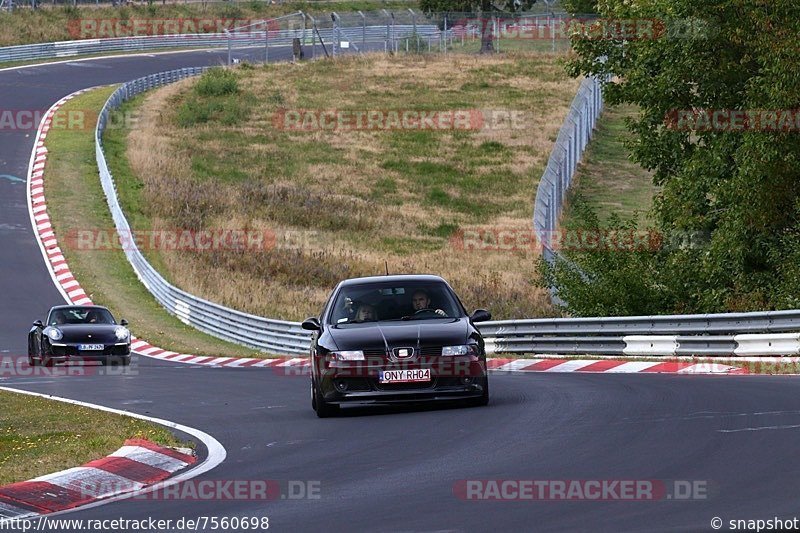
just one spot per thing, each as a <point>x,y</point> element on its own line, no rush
<point>87,333</point>
<point>388,339</point>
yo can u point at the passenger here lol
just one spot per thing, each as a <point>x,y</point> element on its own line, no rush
<point>366,313</point>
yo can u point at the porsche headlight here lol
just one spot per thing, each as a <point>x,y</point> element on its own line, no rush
<point>122,333</point>
<point>54,334</point>
<point>461,349</point>
<point>349,355</point>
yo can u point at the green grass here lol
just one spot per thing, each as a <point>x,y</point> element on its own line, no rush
<point>40,436</point>
<point>76,202</point>
<point>606,179</point>
<point>371,195</point>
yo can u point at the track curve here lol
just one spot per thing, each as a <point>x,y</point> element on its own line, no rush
<point>395,469</point>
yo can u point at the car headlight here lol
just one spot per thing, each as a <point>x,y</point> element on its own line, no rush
<point>55,334</point>
<point>461,349</point>
<point>122,333</point>
<point>349,355</point>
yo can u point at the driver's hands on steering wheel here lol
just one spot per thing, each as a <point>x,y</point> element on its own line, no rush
<point>439,312</point>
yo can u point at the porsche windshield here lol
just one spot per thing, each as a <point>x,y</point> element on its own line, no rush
<point>80,315</point>
<point>394,301</point>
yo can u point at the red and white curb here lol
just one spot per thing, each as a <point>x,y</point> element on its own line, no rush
<point>610,366</point>
<point>73,293</point>
<point>138,464</point>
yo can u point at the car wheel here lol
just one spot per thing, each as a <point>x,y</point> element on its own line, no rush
<point>31,360</point>
<point>126,361</point>
<point>321,407</point>
<point>48,362</point>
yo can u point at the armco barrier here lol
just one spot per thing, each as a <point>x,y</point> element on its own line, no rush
<point>705,334</point>
<point>650,344</point>
<point>762,345</point>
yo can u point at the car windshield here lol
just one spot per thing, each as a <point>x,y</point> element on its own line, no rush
<point>80,315</point>
<point>394,301</point>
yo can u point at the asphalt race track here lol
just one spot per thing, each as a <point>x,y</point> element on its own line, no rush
<point>395,469</point>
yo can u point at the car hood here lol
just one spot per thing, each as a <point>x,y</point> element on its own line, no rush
<point>377,335</point>
<point>80,333</point>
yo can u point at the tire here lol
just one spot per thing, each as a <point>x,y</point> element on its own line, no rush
<point>126,360</point>
<point>31,359</point>
<point>48,362</point>
<point>320,406</point>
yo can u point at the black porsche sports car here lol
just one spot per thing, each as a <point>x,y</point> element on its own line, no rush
<point>87,333</point>
<point>389,339</point>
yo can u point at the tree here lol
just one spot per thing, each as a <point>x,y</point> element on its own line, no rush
<point>484,9</point>
<point>738,186</point>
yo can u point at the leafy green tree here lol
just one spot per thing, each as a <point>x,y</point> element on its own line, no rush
<point>740,188</point>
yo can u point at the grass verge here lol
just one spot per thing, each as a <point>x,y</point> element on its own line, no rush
<point>40,436</point>
<point>340,202</point>
<point>76,203</point>
<point>607,180</point>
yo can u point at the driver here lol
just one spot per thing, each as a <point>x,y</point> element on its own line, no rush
<point>421,300</point>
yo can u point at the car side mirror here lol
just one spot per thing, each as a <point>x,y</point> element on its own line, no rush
<point>38,324</point>
<point>123,322</point>
<point>481,315</point>
<point>311,324</point>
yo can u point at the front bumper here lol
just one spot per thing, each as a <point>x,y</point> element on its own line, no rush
<point>63,352</point>
<point>354,384</point>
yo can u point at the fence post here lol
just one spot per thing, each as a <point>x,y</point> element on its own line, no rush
<point>363,30</point>
<point>228,34</point>
<point>266,42</point>
<point>336,38</point>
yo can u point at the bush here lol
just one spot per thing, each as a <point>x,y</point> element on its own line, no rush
<point>217,82</point>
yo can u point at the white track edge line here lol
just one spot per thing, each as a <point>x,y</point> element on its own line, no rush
<point>216,451</point>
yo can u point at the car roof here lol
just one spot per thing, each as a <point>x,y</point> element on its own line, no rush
<point>397,278</point>
<point>59,307</point>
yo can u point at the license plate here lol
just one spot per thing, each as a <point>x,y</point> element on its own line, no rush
<point>90,347</point>
<point>405,376</point>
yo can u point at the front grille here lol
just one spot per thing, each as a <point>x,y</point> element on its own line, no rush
<point>430,351</point>
<point>72,351</point>
<point>375,353</point>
